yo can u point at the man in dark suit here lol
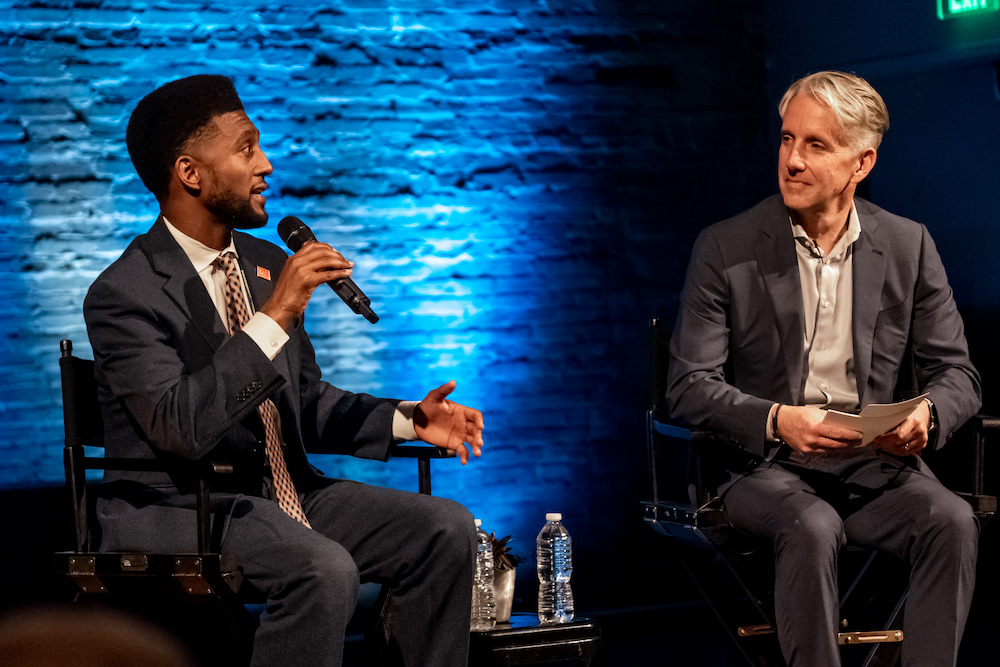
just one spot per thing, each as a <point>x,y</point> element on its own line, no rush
<point>198,339</point>
<point>817,299</point>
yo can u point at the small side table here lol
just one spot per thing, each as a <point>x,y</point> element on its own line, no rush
<point>524,641</point>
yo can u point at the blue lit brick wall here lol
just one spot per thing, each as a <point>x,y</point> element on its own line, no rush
<point>518,181</point>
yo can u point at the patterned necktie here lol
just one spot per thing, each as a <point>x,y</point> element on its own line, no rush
<point>236,307</point>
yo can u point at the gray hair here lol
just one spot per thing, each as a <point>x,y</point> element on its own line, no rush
<point>860,111</point>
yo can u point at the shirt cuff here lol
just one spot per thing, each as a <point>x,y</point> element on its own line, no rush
<point>267,333</point>
<point>402,421</point>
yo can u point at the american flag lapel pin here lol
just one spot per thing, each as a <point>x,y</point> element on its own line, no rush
<point>263,273</point>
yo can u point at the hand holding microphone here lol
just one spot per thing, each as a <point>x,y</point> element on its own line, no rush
<point>296,234</point>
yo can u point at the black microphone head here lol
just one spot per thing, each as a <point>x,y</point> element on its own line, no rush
<point>295,233</point>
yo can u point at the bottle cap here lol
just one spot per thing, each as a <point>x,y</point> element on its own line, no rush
<point>479,522</point>
<point>553,516</point>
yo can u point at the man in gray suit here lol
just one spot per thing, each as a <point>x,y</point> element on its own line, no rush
<point>818,299</point>
<point>198,338</point>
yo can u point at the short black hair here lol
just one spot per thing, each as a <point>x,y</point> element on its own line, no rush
<point>164,120</point>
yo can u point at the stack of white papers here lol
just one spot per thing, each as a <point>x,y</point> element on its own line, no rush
<point>874,419</point>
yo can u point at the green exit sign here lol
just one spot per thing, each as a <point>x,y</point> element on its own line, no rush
<point>952,9</point>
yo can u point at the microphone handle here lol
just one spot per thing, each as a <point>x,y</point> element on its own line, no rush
<point>296,234</point>
<point>354,298</point>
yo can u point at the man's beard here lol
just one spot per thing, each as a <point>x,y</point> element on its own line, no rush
<point>236,209</point>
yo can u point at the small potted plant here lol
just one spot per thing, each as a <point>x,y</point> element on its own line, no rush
<point>504,572</point>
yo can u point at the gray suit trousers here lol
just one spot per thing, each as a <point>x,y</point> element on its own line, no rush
<point>422,546</point>
<point>880,503</point>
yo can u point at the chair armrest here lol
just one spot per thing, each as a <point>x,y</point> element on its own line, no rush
<point>77,462</point>
<point>984,427</point>
<point>671,429</point>
<point>423,454</point>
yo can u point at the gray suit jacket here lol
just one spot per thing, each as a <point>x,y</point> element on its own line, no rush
<point>742,303</point>
<point>174,385</point>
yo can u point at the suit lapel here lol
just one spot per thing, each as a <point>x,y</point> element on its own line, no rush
<point>183,285</point>
<point>870,258</point>
<point>260,280</point>
<point>780,273</point>
<point>779,270</point>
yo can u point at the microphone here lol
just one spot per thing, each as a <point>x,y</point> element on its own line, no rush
<point>296,234</point>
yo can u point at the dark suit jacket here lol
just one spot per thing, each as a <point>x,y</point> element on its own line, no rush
<point>742,303</point>
<point>174,384</point>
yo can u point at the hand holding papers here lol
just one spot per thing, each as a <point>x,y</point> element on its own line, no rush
<point>875,419</point>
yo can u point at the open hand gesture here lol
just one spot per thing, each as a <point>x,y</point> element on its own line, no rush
<point>447,424</point>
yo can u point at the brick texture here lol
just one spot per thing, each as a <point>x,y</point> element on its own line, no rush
<point>518,181</point>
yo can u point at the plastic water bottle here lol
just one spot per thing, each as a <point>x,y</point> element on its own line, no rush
<point>555,567</point>
<point>484,610</point>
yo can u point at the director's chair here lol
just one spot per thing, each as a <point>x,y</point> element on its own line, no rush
<point>734,572</point>
<point>202,581</point>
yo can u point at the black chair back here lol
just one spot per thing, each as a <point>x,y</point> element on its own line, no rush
<point>83,426</point>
